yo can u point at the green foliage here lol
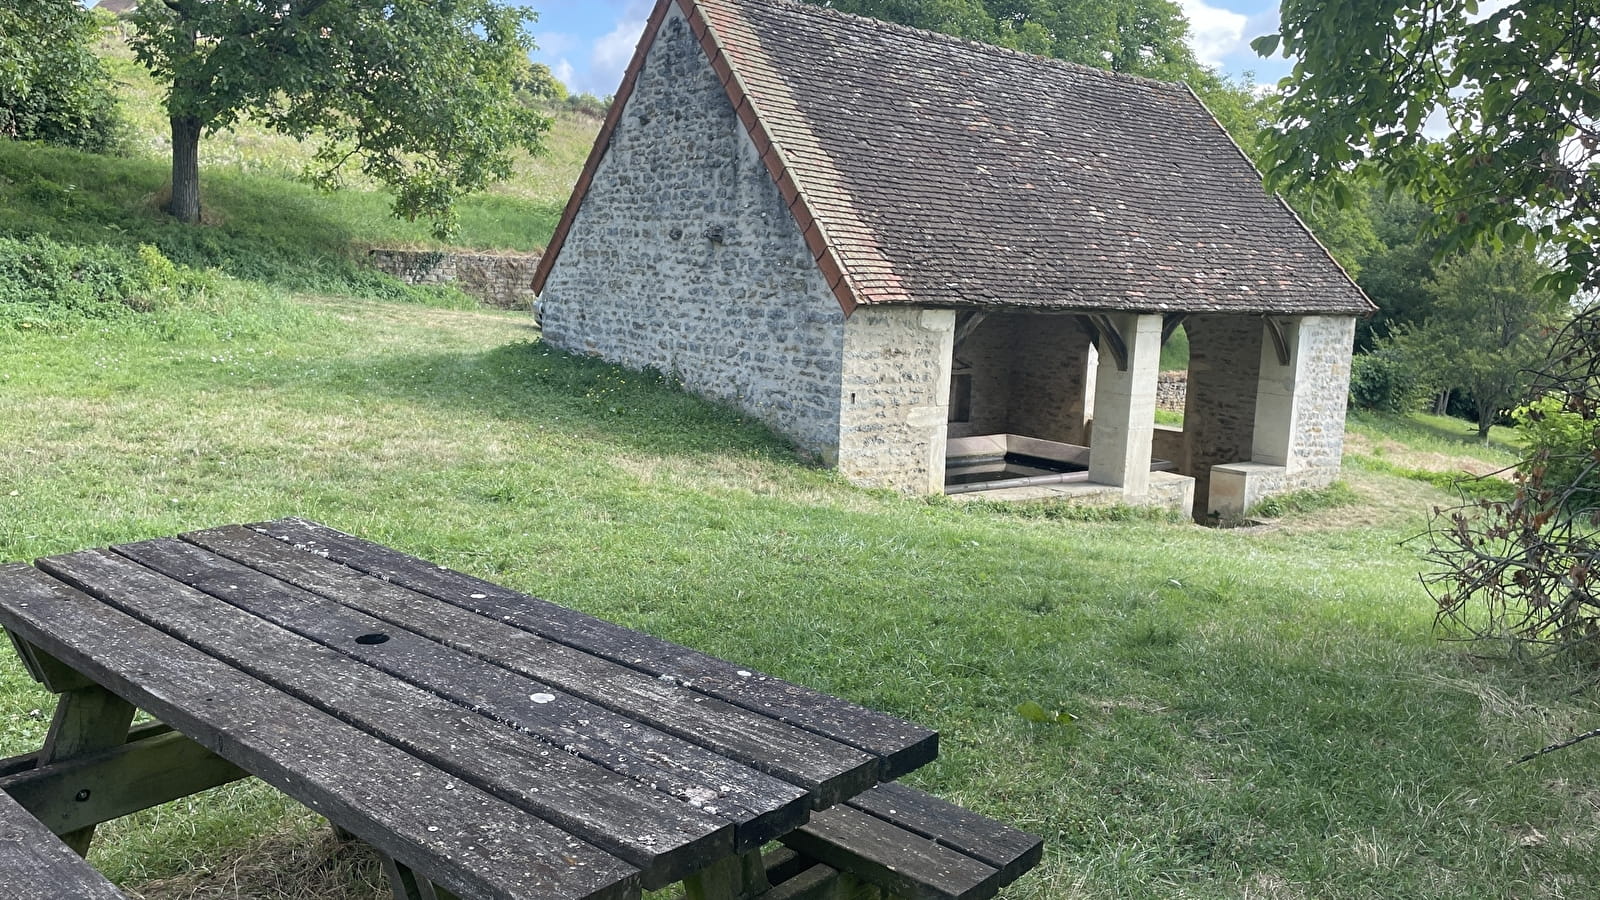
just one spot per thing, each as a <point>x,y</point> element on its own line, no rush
<point>1141,37</point>
<point>1175,352</point>
<point>419,94</point>
<point>45,284</point>
<point>588,105</point>
<point>271,231</point>
<point>1341,219</point>
<point>1396,273</point>
<point>52,86</point>
<point>535,85</point>
<point>1516,91</point>
<point>1385,381</point>
<point>1563,445</point>
<point>1492,319</point>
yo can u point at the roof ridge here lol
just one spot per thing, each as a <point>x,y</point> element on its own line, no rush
<point>939,36</point>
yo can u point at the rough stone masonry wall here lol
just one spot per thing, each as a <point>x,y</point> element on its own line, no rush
<point>498,279</point>
<point>1172,389</point>
<point>894,398</point>
<point>1219,415</point>
<point>1050,369</point>
<point>986,357</point>
<point>684,258</point>
<point>1323,347</point>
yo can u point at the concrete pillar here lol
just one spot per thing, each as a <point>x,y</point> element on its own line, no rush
<point>1276,396</point>
<point>1125,408</point>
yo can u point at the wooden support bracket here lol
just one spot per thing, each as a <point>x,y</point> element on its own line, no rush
<point>81,792</point>
<point>966,323</point>
<point>1280,340</point>
<point>1169,325</point>
<point>1105,333</point>
<point>26,762</point>
<point>87,721</point>
<point>55,675</point>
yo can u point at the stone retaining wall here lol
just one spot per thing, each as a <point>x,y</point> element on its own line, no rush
<point>498,279</point>
<point>1172,389</point>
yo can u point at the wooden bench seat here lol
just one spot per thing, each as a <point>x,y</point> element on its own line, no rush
<point>34,863</point>
<point>911,845</point>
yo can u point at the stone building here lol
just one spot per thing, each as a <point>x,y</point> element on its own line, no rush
<point>940,265</point>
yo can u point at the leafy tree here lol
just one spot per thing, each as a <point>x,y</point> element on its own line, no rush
<point>52,86</point>
<point>535,85</point>
<point>1492,319</point>
<point>1396,273</point>
<point>417,91</point>
<point>1517,91</point>
<point>1143,37</point>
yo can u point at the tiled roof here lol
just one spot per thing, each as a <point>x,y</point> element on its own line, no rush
<point>931,170</point>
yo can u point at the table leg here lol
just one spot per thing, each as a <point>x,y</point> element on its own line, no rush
<point>87,720</point>
<point>732,878</point>
<point>408,885</point>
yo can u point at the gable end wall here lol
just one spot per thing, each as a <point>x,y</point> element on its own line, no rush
<point>684,258</point>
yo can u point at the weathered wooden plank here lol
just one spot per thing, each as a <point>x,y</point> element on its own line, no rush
<point>35,864</point>
<point>901,862</point>
<point>85,791</point>
<point>1011,851</point>
<point>761,806</point>
<point>818,882</point>
<point>830,770</point>
<point>665,838</point>
<point>459,837</point>
<point>902,745</point>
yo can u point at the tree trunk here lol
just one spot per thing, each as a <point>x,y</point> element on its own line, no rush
<point>1441,402</point>
<point>185,203</point>
<point>1486,416</point>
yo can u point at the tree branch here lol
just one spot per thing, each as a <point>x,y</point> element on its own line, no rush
<point>1560,745</point>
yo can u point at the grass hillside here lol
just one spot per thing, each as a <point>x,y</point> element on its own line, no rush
<point>516,214</point>
<point>263,222</point>
<point>1260,712</point>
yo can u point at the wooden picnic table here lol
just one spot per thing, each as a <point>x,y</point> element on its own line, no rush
<point>483,741</point>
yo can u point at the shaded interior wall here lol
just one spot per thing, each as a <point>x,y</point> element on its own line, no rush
<point>1219,413</point>
<point>1029,373</point>
<point>684,258</point>
<point>985,357</point>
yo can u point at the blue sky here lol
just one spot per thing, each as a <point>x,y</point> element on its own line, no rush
<point>588,43</point>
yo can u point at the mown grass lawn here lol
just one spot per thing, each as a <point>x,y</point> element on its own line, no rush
<point>1260,712</point>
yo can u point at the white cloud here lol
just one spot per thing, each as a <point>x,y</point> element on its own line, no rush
<point>1213,32</point>
<point>614,49</point>
<point>555,43</point>
<point>563,71</point>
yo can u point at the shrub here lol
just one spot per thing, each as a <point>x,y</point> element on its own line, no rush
<point>53,87</point>
<point>44,283</point>
<point>1562,445</point>
<point>1385,381</point>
